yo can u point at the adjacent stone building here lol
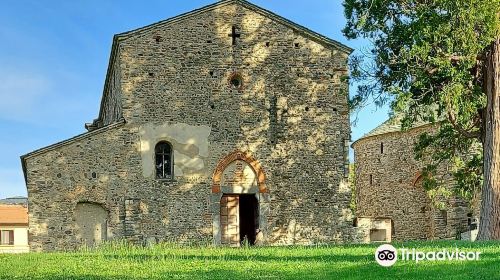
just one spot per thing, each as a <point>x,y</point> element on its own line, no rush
<point>222,124</point>
<point>391,202</point>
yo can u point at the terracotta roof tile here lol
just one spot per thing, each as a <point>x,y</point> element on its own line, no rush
<point>13,214</point>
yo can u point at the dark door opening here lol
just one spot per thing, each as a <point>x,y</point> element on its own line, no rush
<point>249,217</point>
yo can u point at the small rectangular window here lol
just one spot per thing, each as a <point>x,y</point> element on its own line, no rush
<point>7,237</point>
<point>381,148</point>
<point>371,179</point>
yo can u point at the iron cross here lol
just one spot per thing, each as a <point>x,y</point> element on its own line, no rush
<point>234,35</point>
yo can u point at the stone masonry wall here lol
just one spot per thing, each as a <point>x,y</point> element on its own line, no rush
<point>290,114</point>
<point>111,107</point>
<point>396,191</point>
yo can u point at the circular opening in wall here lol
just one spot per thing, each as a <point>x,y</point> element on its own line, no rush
<point>236,81</point>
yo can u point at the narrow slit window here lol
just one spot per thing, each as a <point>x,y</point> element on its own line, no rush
<point>371,180</point>
<point>164,160</point>
<point>444,215</point>
<point>381,148</point>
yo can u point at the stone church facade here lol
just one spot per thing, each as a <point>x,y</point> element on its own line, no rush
<point>391,202</point>
<point>222,124</point>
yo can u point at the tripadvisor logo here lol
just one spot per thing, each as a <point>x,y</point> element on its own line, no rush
<point>387,255</point>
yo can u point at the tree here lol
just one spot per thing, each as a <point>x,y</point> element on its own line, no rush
<point>438,61</point>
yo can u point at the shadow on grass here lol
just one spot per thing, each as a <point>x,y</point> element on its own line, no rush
<point>264,263</point>
<point>144,257</point>
<point>459,270</point>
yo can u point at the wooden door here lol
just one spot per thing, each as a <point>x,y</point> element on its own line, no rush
<point>229,220</point>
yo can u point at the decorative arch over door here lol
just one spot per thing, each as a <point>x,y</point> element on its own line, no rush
<point>243,156</point>
<point>231,199</point>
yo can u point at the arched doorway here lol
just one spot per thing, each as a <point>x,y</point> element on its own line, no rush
<point>423,214</point>
<point>239,218</point>
<point>91,223</point>
<point>240,201</point>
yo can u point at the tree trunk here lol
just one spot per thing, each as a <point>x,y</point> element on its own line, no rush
<point>489,221</point>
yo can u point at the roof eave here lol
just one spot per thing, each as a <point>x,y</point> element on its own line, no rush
<point>125,35</point>
<point>114,47</point>
<point>66,142</point>
<point>389,132</point>
<point>14,224</point>
<point>251,6</point>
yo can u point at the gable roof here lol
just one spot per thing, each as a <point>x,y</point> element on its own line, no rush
<point>303,30</point>
<point>389,126</point>
<point>306,31</point>
<point>67,142</point>
<point>13,215</point>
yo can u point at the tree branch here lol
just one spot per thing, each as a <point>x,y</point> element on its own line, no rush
<point>464,132</point>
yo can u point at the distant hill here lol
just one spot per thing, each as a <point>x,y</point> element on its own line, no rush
<point>15,200</point>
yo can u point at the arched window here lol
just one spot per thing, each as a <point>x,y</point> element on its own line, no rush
<point>163,159</point>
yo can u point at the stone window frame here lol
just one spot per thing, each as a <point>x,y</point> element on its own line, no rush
<point>236,75</point>
<point>171,176</point>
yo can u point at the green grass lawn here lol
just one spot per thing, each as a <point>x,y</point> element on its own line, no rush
<point>115,261</point>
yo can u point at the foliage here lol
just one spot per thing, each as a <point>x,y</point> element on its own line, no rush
<point>170,261</point>
<point>445,147</point>
<point>426,60</point>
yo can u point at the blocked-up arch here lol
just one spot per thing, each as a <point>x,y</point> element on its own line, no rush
<point>243,156</point>
<point>417,179</point>
<point>91,221</point>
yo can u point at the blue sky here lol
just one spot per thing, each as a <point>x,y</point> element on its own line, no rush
<point>54,55</point>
